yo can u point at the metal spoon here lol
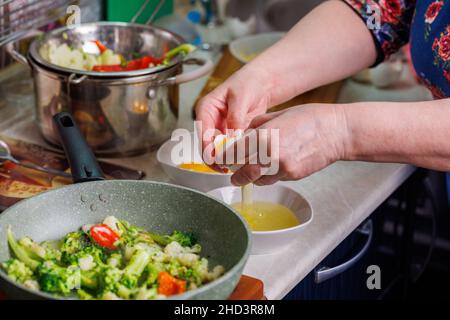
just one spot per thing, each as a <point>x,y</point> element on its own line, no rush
<point>5,154</point>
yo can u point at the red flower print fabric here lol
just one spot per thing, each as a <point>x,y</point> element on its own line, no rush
<point>425,24</point>
<point>433,11</point>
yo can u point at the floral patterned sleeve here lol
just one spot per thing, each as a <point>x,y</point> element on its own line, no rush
<point>389,22</point>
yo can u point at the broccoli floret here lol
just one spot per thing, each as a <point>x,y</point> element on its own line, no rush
<point>131,234</point>
<point>124,292</point>
<point>17,270</point>
<point>89,279</point>
<point>114,260</point>
<point>56,279</point>
<point>152,270</point>
<point>51,250</point>
<point>97,253</point>
<point>72,243</point>
<point>110,278</point>
<point>83,295</point>
<point>93,252</point>
<point>146,293</point>
<point>143,237</point>
<point>135,268</point>
<point>20,252</point>
<point>186,239</point>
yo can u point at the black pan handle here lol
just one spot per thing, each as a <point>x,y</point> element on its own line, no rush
<point>83,164</point>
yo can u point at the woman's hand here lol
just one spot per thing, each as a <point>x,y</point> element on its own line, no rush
<point>311,54</point>
<point>235,103</point>
<point>311,137</point>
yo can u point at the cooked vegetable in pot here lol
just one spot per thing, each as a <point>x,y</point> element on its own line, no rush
<point>111,260</point>
<point>102,59</point>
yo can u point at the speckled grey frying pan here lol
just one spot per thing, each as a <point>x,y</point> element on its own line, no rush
<point>158,207</point>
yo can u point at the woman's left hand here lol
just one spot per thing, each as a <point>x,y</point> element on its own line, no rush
<point>311,137</point>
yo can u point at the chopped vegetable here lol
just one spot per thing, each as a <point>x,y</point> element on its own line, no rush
<point>20,252</point>
<point>107,61</point>
<point>17,270</point>
<point>184,49</point>
<point>110,260</point>
<point>169,285</point>
<point>56,279</point>
<point>100,46</point>
<point>186,239</point>
<point>104,236</point>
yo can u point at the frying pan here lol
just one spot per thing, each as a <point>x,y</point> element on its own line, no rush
<point>159,207</point>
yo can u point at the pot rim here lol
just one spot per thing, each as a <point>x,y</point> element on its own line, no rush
<point>65,76</point>
<point>34,55</point>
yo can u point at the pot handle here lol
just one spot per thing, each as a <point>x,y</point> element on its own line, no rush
<point>83,164</point>
<point>16,55</point>
<point>206,66</point>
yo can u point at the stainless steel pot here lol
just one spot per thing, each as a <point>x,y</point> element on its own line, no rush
<point>119,113</point>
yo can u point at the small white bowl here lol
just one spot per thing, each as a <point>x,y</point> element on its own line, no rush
<point>265,242</point>
<point>246,48</point>
<point>202,181</point>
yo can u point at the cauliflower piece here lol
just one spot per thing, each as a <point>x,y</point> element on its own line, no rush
<point>110,296</point>
<point>160,256</point>
<point>115,260</point>
<point>188,259</point>
<point>113,222</point>
<point>31,284</point>
<point>86,263</point>
<point>108,57</point>
<point>216,272</point>
<point>201,268</point>
<point>173,249</point>
<point>146,294</point>
<point>128,252</point>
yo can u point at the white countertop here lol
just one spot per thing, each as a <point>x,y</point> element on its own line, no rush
<point>342,195</point>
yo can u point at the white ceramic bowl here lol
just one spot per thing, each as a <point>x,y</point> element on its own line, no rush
<point>265,242</point>
<point>202,181</point>
<point>248,47</point>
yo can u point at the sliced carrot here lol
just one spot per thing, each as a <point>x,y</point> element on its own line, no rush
<point>169,285</point>
<point>100,46</point>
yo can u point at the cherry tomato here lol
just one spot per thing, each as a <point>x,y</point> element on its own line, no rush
<point>135,64</point>
<point>108,68</point>
<point>104,236</point>
<point>145,61</point>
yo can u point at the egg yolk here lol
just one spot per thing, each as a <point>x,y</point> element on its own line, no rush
<point>199,167</point>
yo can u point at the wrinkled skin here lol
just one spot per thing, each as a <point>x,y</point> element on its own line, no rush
<point>322,134</point>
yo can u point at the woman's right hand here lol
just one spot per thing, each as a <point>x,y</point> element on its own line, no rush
<point>233,104</point>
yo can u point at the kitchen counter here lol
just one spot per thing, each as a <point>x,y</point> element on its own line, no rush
<point>342,195</point>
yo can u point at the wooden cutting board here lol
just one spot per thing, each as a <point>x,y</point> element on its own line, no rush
<point>248,288</point>
<point>228,65</point>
